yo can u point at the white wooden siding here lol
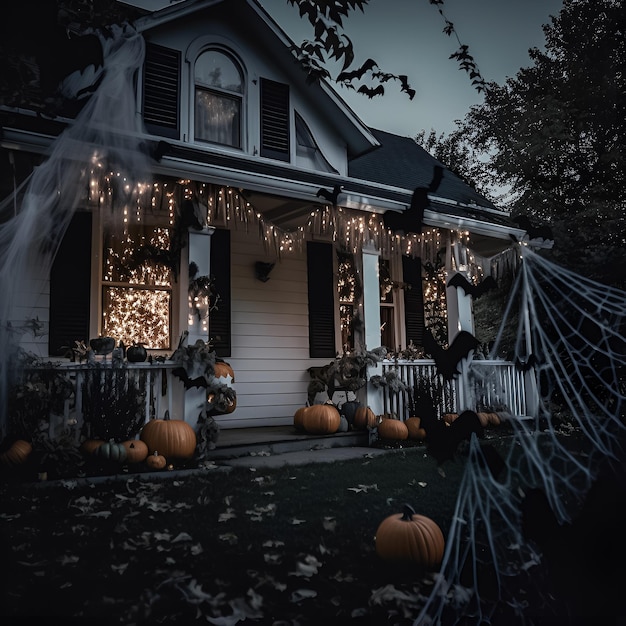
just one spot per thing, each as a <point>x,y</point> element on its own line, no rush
<point>269,336</point>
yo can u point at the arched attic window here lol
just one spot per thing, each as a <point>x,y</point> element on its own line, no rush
<point>219,94</point>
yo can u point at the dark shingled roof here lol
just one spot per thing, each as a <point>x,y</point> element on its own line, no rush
<point>401,162</point>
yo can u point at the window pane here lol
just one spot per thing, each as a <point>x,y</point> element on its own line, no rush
<point>214,69</point>
<point>137,315</point>
<point>217,118</point>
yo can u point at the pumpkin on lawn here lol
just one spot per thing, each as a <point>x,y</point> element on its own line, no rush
<point>364,418</point>
<point>321,419</point>
<point>172,438</point>
<point>410,537</point>
<point>17,453</point>
<point>392,428</point>
<point>136,450</point>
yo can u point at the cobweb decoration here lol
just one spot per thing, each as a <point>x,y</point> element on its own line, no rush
<point>571,347</point>
<point>106,134</point>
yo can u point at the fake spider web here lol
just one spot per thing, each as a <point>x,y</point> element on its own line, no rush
<point>571,343</point>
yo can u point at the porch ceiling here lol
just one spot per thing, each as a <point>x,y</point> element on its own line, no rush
<point>287,213</point>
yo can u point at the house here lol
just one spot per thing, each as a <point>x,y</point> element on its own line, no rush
<point>201,168</point>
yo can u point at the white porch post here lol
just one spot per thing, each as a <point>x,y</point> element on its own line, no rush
<point>371,318</point>
<point>200,254</point>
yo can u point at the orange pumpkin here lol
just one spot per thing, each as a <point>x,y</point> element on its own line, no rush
<point>391,428</point>
<point>136,450</point>
<point>172,438</point>
<point>321,419</point>
<point>409,537</point>
<point>364,418</point>
<point>223,370</point>
<point>89,446</point>
<point>448,418</point>
<point>413,425</point>
<point>18,453</point>
<point>156,461</point>
<point>298,418</point>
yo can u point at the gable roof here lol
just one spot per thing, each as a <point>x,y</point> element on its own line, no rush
<point>258,25</point>
<point>401,162</point>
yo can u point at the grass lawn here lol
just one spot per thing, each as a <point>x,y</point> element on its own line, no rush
<point>292,545</point>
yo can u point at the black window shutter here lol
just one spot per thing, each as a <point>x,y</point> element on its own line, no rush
<point>70,286</point>
<point>413,300</point>
<point>274,120</point>
<point>321,300</point>
<point>219,321</point>
<point>161,91</point>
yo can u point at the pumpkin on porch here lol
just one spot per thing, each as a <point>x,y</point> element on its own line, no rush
<point>111,451</point>
<point>156,461</point>
<point>348,409</point>
<point>18,453</point>
<point>414,426</point>
<point>136,353</point>
<point>321,419</point>
<point>298,418</point>
<point>392,428</point>
<point>88,447</point>
<point>172,438</point>
<point>221,369</point>
<point>410,537</point>
<point>136,450</point>
<point>364,418</point>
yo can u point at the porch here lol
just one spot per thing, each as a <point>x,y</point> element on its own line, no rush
<point>79,394</point>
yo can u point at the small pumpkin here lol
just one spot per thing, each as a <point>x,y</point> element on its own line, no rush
<point>321,419</point>
<point>409,537</point>
<point>448,418</point>
<point>17,454</point>
<point>364,418</point>
<point>111,451</point>
<point>173,438</point>
<point>223,370</point>
<point>414,425</point>
<point>89,446</point>
<point>136,353</point>
<point>391,428</point>
<point>156,461</point>
<point>136,450</point>
<point>298,417</point>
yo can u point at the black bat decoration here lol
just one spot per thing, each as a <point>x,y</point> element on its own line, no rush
<point>358,73</point>
<point>458,280</point>
<point>448,360</point>
<point>331,196</point>
<point>370,92</point>
<point>411,220</point>
<point>443,440</point>
<point>529,363</point>
<point>534,232</point>
<point>262,270</point>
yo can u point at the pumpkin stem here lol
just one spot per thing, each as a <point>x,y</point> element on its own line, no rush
<point>407,513</point>
<point>167,415</point>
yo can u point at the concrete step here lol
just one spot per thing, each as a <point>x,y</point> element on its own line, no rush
<point>273,440</point>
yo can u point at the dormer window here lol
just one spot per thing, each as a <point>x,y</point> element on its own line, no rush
<point>218,99</point>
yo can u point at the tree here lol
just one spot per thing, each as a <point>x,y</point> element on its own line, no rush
<point>556,133</point>
<point>331,44</point>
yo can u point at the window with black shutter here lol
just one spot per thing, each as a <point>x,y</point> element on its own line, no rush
<point>321,300</point>
<point>219,321</point>
<point>70,286</point>
<point>413,300</point>
<point>161,91</point>
<point>274,120</point>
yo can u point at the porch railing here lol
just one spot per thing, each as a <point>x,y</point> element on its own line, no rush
<point>155,379</point>
<point>484,385</point>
